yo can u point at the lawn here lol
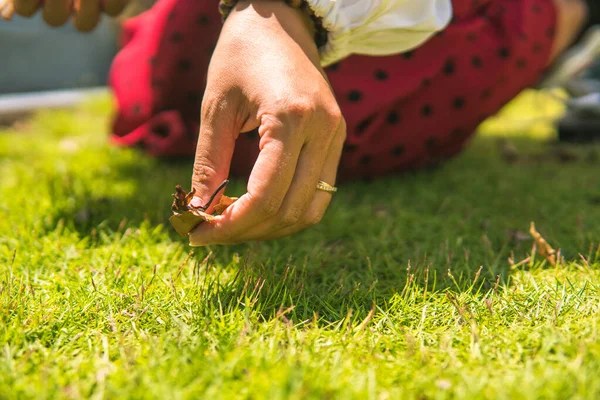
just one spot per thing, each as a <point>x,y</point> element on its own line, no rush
<point>417,286</point>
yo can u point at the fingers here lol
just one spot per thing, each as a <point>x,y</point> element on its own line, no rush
<point>216,141</point>
<point>301,193</point>
<point>56,12</point>
<point>268,184</point>
<point>320,200</point>
<point>113,7</point>
<point>26,8</point>
<point>87,15</point>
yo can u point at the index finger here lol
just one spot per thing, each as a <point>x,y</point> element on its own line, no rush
<point>268,184</point>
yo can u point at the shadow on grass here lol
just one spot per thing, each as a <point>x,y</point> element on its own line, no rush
<point>472,212</point>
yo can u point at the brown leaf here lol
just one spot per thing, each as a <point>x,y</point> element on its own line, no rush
<point>224,203</point>
<point>186,217</point>
<point>543,247</point>
<point>187,221</point>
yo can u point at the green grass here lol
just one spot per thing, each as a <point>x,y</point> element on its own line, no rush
<point>100,298</point>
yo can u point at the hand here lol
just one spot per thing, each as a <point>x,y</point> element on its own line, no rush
<point>86,13</point>
<point>265,73</point>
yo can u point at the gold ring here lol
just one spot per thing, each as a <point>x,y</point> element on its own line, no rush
<point>326,187</point>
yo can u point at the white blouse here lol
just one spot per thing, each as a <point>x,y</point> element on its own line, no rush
<point>378,27</point>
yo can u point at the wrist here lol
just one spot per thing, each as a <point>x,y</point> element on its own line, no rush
<point>312,23</point>
<point>277,17</point>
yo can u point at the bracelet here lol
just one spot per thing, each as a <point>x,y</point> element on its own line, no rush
<point>226,6</point>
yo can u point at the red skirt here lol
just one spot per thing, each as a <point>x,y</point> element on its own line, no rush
<point>402,111</point>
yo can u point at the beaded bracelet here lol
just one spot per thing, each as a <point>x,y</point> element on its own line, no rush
<point>226,6</point>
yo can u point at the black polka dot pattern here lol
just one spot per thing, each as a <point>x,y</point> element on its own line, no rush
<point>427,110</point>
<point>364,125</point>
<point>458,103</point>
<point>504,53</point>
<point>401,110</point>
<point>203,20</point>
<point>193,98</point>
<point>176,37</point>
<point>393,118</point>
<point>449,67</point>
<point>354,96</point>
<point>381,75</point>
<point>184,65</point>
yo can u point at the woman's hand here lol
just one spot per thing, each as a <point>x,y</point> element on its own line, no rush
<point>86,13</point>
<point>265,74</point>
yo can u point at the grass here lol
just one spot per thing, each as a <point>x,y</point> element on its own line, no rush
<point>403,291</point>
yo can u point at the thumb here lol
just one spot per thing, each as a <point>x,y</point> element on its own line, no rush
<point>218,131</point>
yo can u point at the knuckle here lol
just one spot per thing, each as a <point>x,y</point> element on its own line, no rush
<point>203,170</point>
<point>332,117</point>
<point>334,114</point>
<point>300,109</point>
<point>268,206</point>
<point>291,216</point>
<point>211,105</point>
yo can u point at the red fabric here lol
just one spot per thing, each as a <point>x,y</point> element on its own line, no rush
<point>402,111</point>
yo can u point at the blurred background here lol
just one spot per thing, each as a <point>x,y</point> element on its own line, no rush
<point>44,67</point>
<point>36,57</point>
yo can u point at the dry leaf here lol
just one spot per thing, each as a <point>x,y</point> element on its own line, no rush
<point>224,203</point>
<point>186,217</point>
<point>543,247</point>
<point>187,221</point>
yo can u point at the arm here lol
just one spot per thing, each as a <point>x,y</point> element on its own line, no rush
<point>265,73</point>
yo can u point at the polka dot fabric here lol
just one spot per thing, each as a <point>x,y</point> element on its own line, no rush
<point>403,111</point>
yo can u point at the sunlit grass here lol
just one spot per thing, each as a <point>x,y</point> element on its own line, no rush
<point>405,290</point>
